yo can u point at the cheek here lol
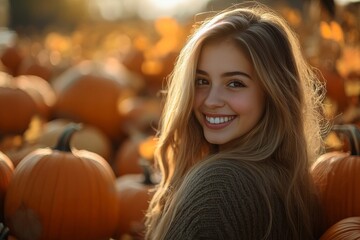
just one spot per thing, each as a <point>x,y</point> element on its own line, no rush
<point>198,99</point>
<point>196,106</point>
<point>248,104</point>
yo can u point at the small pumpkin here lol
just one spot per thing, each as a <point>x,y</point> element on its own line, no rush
<point>134,193</point>
<point>17,107</point>
<point>345,229</point>
<point>142,113</point>
<point>134,196</point>
<point>128,156</point>
<point>336,176</point>
<point>62,193</point>
<point>40,90</point>
<point>11,57</point>
<point>32,66</point>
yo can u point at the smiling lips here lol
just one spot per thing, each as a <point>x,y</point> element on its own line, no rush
<point>218,122</point>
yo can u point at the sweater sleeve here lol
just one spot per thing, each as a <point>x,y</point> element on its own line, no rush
<point>222,202</point>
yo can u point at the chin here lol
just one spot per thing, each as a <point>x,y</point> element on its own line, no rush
<point>215,141</point>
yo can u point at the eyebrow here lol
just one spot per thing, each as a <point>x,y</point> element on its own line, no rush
<point>227,74</point>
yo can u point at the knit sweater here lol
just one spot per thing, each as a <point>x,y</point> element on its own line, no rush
<point>224,202</point>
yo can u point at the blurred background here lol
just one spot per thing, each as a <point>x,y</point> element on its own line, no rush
<point>103,63</point>
<point>134,43</point>
<point>72,46</point>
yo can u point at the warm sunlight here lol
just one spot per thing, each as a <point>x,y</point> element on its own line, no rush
<point>145,9</point>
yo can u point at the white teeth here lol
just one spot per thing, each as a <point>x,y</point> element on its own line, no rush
<point>219,120</point>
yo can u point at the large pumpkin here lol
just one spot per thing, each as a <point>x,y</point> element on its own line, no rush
<point>345,229</point>
<point>88,93</point>
<point>336,175</point>
<point>62,193</point>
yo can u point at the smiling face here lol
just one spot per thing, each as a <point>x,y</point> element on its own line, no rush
<point>228,99</point>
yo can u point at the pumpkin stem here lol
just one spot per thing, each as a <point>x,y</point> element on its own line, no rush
<point>4,231</point>
<point>146,172</point>
<point>353,134</point>
<point>64,141</point>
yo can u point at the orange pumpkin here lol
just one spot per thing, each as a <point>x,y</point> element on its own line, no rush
<point>335,88</point>
<point>141,114</point>
<point>6,173</point>
<point>17,153</point>
<point>17,107</point>
<point>129,153</point>
<point>134,192</point>
<point>126,160</point>
<point>32,66</point>
<point>336,175</point>
<point>11,57</point>
<point>85,93</point>
<point>40,90</point>
<point>134,196</point>
<point>345,229</point>
<point>62,193</point>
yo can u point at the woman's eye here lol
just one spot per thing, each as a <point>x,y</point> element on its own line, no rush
<point>236,84</point>
<point>200,82</point>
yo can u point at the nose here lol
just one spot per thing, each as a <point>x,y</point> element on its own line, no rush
<point>214,98</point>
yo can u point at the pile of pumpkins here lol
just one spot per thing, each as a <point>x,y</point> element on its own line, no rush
<point>68,193</point>
<point>76,153</point>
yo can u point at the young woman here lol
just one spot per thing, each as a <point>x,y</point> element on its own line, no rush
<point>241,125</point>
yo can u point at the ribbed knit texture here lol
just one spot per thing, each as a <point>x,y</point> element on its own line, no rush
<point>224,203</point>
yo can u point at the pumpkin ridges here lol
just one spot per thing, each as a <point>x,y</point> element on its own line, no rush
<point>21,214</point>
<point>41,183</point>
<point>336,176</point>
<point>73,201</point>
<point>345,229</point>
<point>103,193</point>
<point>336,179</point>
<point>133,197</point>
<point>53,215</point>
<point>92,220</point>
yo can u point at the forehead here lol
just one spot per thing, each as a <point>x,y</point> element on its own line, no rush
<point>224,55</point>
